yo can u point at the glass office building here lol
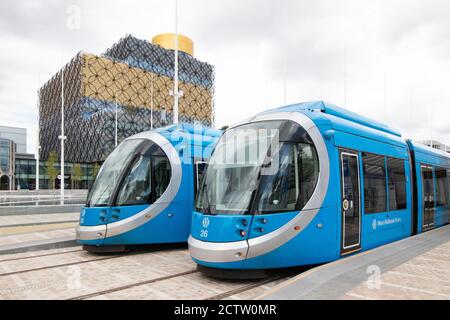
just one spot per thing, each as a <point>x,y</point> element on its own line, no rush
<point>25,174</point>
<point>18,170</point>
<point>7,155</point>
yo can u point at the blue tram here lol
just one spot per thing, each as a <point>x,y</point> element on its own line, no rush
<point>310,183</point>
<point>144,192</point>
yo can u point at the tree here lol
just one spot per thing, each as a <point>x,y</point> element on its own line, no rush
<point>76,175</point>
<point>95,170</point>
<point>52,172</point>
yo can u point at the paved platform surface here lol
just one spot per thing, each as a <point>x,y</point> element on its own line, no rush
<point>24,220</point>
<point>24,239</point>
<point>71,273</point>
<point>39,229</point>
<point>413,268</point>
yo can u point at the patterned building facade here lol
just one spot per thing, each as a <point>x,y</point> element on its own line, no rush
<point>135,78</point>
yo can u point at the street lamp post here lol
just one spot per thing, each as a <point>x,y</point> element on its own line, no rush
<point>151,102</point>
<point>115,136</point>
<point>62,136</point>
<point>37,165</point>
<point>176,93</point>
<point>38,149</point>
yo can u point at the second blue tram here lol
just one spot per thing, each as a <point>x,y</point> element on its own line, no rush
<point>144,191</point>
<point>310,183</point>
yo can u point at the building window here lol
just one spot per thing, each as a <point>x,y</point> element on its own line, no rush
<point>441,187</point>
<point>5,156</point>
<point>396,184</point>
<point>375,197</point>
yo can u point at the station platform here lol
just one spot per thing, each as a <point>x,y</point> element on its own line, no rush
<point>29,230</point>
<point>39,237</point>
<point>414,268</point>
<point>37,219</point>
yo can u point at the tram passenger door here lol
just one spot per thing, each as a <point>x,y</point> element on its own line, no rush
<point>350,202</point>
<point>428,203</point>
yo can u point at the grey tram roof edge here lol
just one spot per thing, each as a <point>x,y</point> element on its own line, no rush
<point>339,112</point>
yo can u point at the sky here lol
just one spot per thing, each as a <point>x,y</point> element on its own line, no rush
<point>388,60</point>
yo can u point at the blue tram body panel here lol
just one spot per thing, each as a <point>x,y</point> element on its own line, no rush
<point>150,200</point>
<point>315,232</point>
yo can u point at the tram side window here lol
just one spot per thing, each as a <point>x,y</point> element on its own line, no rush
<point>309,172</point>
<point>145,182</point>
<point>136,187</point>
<point>198,174</point>
<point>396,184</point>
<point>375,197</point>
<point>292,185</point>
<point>162,174</point>
<point>441,187</point>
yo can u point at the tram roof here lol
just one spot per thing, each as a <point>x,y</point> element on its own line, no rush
<point>331,109</point>
<point>430,155</point>
<point>195,134</point>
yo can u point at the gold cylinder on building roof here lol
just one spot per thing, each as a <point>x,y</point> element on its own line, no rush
<point>167,41</point>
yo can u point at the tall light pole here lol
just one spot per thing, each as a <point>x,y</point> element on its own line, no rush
<point>38,147</point>
<point>151,102</point>
<point>115,136</point>
<point>62,136</point>
<point>176,93</point>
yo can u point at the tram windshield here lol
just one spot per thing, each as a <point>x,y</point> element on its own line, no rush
<point>259,168</point>
<point>138,172</point>
<point>109,174</point>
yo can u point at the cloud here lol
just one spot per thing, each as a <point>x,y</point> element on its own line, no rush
<point>388,60</point>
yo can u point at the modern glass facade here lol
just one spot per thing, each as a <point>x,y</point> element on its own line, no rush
<point>7,155</point>
<point>81,178</point>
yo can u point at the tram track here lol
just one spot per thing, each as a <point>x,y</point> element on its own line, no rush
<point>244,288</point>
<point>40,255</point>
<point>132,285</point>
<point>59,265</point>
<point>146,287</point>
<point>219,296</point>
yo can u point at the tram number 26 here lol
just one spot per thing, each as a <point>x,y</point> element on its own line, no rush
<point>203,233</point>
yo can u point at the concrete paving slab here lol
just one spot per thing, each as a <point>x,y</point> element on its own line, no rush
<point>37,231</point>
<point>38,240</point>
<point>35,219</point>
<point>54,243</point>
<point>67,282</point>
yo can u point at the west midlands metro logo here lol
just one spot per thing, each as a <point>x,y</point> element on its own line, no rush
<point>374,224</point>
<point>385,222</point>
<point>205,222</point>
